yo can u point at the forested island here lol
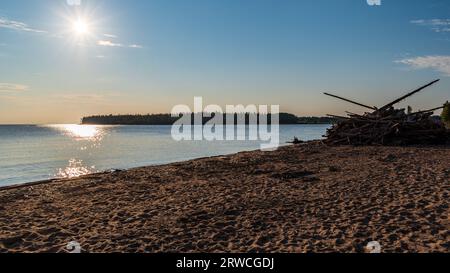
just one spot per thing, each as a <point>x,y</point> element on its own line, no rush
<point>167,119</point>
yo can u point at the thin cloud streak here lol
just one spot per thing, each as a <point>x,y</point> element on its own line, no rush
<point>12,87</point>
<point>112,36</point>
<point>437,25</point>
<point>438,63</point>
<point>112,44</point>
<point>18,26</point>
<point>85,98</point>
<point>108,43</point>
<point>136,46</point>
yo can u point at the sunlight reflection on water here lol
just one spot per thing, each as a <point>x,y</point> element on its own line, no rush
<point>81,132</point>
<point>88,137</point>
<point>75,168</point>
<point>35,153</point>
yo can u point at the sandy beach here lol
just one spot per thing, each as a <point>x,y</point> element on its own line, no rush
<point>306,198</point>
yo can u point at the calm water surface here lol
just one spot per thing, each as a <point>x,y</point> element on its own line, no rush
<point>34,153</point>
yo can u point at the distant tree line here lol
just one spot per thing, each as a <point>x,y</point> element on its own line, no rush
<point>316,120</point>
<point>167,119</point>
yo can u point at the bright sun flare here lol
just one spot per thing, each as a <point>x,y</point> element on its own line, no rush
<point>81,27</point>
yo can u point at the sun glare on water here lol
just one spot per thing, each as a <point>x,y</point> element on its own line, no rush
<point>81,132</point>
<point>86,138</point>
<point>75,168</point>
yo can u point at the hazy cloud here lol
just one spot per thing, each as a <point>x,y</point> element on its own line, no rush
<point>438,63</point>
<point>108,43</point>
<point>88,98</point>
<point>113,44</point>
<point>12,87</point>
<point>136,46</point>
<point>110,36</point>
<point>19,26</point>
<point>81,97</point>
<point>437,25</point>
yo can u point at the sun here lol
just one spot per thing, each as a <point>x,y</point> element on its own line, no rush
<point>80,27</point>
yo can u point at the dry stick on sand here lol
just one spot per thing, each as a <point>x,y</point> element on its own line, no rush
<point>351,101</point>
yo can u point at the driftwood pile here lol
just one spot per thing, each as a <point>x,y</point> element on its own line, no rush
<point>388,126</point>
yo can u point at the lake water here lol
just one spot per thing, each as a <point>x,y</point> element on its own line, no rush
<point>34,153</point>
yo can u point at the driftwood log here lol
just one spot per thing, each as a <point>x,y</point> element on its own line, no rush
<point>388,126</point>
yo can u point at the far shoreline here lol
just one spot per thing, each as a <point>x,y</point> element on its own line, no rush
<point>168,119</point>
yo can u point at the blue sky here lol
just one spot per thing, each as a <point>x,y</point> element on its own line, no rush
<point>147,56</point>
